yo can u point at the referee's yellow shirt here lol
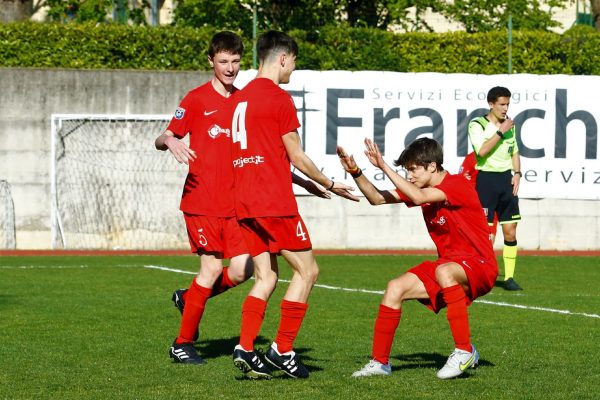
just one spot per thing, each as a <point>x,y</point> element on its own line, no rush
<point>500,158</point>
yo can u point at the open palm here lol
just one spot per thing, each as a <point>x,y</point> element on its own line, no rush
<point>373,154</point>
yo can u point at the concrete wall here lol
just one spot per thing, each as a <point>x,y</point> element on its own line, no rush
<point>29,96</point>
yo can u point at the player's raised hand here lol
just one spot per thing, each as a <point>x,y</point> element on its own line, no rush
<point>346,160</point>
<point>373,154</point>
<point>182,153</point>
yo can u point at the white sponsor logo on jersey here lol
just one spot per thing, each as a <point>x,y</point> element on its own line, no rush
<point>240,162</point>
<point>215,130</point>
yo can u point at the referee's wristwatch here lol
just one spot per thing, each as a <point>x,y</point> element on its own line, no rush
<point>499,133</point>
<point>518,173</point>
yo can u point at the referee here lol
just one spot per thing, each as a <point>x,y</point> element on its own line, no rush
<point>494,141</point>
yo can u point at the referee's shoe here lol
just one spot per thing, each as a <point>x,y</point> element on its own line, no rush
<point>510,284</point>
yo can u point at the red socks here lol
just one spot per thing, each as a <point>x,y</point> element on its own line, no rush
<point>292,315</point>
<point>253,314</point>
<point>195,301</point>
<point>386,324</point>
<point>458,317</point>
<point>222,283</point>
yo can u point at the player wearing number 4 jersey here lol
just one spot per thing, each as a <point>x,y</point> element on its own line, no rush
<point>207,201</point>
<point>265,142</point>
<point>466,267</point>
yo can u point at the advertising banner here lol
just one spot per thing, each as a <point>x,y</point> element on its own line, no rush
<point>556,118</point>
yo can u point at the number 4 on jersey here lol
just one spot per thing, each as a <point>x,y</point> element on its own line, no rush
<point>238,125</point>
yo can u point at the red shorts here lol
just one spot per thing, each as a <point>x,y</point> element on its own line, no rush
<point>273,234</point>
<point>481,274</point>
<point>215,235</point>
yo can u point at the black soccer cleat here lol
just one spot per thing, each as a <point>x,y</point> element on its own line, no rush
<point>510,284</point>
<point>185,353</point>
<point>250,364</point>
<point>288,363</point>
<point>177,299</point>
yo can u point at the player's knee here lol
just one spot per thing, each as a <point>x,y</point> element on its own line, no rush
<point>394,291</point>
<point>237,273</point>
<point>444,275</point>
<point>310,274</point>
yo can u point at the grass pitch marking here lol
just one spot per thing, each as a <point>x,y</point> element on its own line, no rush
<point>380,292</point>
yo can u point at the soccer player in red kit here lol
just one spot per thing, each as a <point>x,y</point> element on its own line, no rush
<point>466,267</point>
<point>266,140</point>
<point>468,170</point>
<point>207,200</point>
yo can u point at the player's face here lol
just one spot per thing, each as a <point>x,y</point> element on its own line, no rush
<point>499,109</point>
<point>418,175</point>
<point>288,67</point>
<point>225,66</point>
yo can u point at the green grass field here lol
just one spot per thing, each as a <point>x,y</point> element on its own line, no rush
<point>99,327</point>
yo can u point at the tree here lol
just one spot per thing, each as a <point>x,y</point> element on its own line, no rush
<point>237,15</point>
<point>488,15</point>
<point>15,10</point>
<point>596,13</point>
<point>75,10</point>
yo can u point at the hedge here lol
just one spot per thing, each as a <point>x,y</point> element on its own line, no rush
<point>115,46</point>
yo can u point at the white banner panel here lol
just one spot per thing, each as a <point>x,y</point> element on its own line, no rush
<point>556,117</point>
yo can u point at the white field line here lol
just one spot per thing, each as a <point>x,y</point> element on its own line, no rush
<point>380,292</point>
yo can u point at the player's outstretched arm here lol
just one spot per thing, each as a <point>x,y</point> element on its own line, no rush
<point>416,195</point>
<point>373,195</point>
<point>310,186</point>
<point>182,153</point>
<point>300,160</point>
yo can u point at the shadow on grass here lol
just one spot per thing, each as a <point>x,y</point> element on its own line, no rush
<point>499,284</point>
<point>224,347</point>
<point>427,360</point>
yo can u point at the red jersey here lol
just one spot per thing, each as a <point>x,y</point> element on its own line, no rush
<point>467,168</point>
<point>458,226</point>
<point>208,187</point>
<point>263,181</point>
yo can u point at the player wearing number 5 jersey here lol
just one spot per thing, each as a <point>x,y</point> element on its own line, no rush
<point>265,142</point>
<point>207,200</point>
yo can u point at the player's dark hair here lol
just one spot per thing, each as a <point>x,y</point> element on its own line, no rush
<point>227,42</point>
<point>497,91</point>
<point>422,152</point>
<point>274,42</point>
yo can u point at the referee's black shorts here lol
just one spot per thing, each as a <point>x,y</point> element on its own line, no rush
<point>495,194</point>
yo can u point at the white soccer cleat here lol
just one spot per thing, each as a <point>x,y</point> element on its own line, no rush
<point>458,362</point>
<point>373,368</point>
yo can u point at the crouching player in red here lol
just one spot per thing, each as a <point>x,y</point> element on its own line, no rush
<point>466,267</point>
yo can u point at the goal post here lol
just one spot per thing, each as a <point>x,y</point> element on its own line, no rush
<point>110,187</point>
<point>7,218</point>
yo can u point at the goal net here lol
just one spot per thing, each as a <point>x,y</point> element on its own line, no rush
<point>7,218</point>
<point>111,189</point>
